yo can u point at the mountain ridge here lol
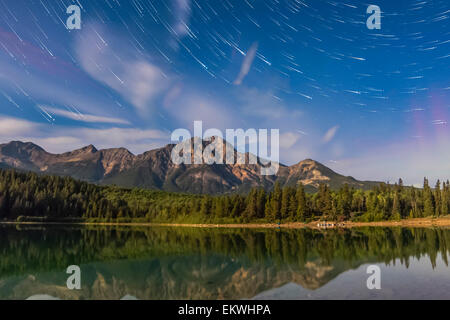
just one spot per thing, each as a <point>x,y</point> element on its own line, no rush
<point>154,169</point>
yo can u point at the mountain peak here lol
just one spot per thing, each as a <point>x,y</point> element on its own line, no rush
<point>90,148</point>
<point>19,148</point>
<point>155,170</point>
<point>22,145</point>
<point>308,162</point>
<point>87,149</point>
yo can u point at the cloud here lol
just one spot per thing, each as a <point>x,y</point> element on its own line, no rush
<point>58,139</point>
<point>182,14</point>
<point>31,74</point>
<point>410,160</point>
<point>12,127</point>
<point>77,116</point>
<point>288,139</point>
<point>264,105</point>
<point>330,134</point>
<point>187,108</point>
<point>131,75</point>
<point>246,64</point>
<point>131,138</point>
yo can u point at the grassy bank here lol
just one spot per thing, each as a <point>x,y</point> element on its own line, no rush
<point>413,223</point>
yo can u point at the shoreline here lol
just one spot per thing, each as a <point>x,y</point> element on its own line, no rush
<point>412,223</point>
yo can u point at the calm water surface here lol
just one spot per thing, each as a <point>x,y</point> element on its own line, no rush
<point>185,263</point>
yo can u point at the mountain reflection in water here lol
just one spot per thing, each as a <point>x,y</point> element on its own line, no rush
<point>194,263</point>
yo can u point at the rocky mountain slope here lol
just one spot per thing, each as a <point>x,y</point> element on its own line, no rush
<point>155,170</point>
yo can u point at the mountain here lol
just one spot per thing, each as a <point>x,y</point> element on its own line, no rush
<point>174,277</point>
<point>155,170</point>
<point>187,263</point>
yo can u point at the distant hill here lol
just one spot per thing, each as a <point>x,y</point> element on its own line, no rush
<point>155,170</point>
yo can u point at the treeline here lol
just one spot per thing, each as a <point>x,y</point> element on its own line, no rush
<point>28,196</point>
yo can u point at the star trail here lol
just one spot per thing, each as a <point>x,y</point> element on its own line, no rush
<point>370,103</point>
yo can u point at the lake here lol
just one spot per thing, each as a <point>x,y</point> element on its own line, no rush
<point>195,263</point>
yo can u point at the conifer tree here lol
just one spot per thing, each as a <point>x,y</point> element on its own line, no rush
<point>302,210</point>
<point>275,206</point>
<point>438,198</point>
<point>428,201</point>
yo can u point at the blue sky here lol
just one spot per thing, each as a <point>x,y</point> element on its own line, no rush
<point>373,104</point>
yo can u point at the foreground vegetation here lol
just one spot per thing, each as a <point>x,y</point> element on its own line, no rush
<point>32,197</point>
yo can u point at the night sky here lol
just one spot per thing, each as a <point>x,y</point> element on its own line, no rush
<point>373,104</point>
